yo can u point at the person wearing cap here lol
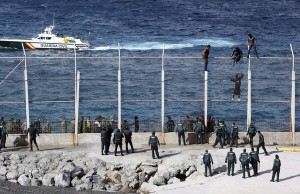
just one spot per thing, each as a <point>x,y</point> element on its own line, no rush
<point>244,159</point>
<point>231,159</point>
<point>251,132</point>
<point>254,160</point>
<point>207,161</point>
<point>180,130</point>
<point>198,129</point>
<point>276,168</point>
<point>118,139</point>
<point>237,54</point>
<point>154,143</point>
<point>219,135</point>
<point>234,135</point>
<point>251,44</point>
<point>261,143</point>
<point>170,124</point>
<point>205,54</point>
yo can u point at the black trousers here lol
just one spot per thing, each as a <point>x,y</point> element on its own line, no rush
<point>275,171</point>
<point>254,166</point>
<point>218,140</point>
<point>181,135</point>
<point>154,148</point>
<point>245,167</point>
<point>251,140</point>
<point>207,166</point>
<point>104,147</point>
<point>116,146</point>
<point>230,167</point>
<point>33,139</point>
<point>234,141</point>
<point>199,138</point>
<point>3,141</point>
<point>130,143</point>
<point>254,48</point>
<point>263,147</point>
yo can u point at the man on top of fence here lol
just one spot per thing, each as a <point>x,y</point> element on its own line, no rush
<point>251,44</point>
<point>205,54</point>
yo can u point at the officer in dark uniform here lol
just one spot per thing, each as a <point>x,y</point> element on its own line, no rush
<point>207,160</point>
<point>198,129</point>
<point>118,138</point>
<point>109,131</point>
<point>276,168</point>
<point>32,134</point>
<point>1,129</point>
<point>225,135</point>
<point>170,124</point>
<point>104,140</point>
<point>244,159</point>
<point>251,132</point>
<point>254,159</point>
<point>154,142</point>
<point>219,134</point>
<point>4,134</point>
<point>234,135</point>
<point>180,130</point>
<point>231,159</point>
<point>128,136</point>
<point>261,143</point>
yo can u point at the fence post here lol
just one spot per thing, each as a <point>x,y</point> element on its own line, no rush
<point>293,103</point>
<point>249,94</point>
<point>119,90</point>
<point>26,92</point>
<point>77,106</point>
<point>205,96</point>
<point>163,95</point>
<point>75,141</point>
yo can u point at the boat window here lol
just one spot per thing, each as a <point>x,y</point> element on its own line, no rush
<point>48,38</point>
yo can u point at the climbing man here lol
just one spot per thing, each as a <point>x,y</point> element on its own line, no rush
<point>237,79</point>
<point>237,54</point>
<point>205,54</point>
<point>251,44</point>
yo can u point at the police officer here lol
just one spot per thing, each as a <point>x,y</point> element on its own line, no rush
<point>207,160</point>
<point>198,129</point>
<point>219,134</point>
<point>104,140</point>
<point>153,142</point>
<point>225,135</point>
<point>109,130</point>
<point>231,159</point>
<point>32,134</point>
<point>244,159</point>
<point>276,168</point>
<point>251,132</point>
<point>118,138</point>
<point>128,136</point>
<point>261,143</point>
<point>180,130</point>
<point>254,159</point>
<point>234,135</point>
<point>1,129</point>
<point>4,134</point>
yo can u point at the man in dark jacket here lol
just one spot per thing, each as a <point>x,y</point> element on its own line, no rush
<point>276,168</point>
<point>118,138</point>
<point>104,140</point>
<point>231,159</point>
<point>244,159</point>
<point>170,124</point>
<point>261,143</point>
<point>32,134</point>
<point>128,136</point>
<point>199,130</point>
<point>207,161</point>
<point>154,142</point>
<point>219,135</point>
<point>251,132</point>
<point>237,79</point>
<point>205,54</point>
<point>237,54</point>
<point>234,135</point>
<point>109,130</point>
<point>180,130</point>
<point>254,159</point>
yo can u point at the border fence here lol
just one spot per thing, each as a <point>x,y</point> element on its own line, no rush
<point>166,86</point>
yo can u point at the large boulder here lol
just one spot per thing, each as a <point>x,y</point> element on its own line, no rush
<point>48,180</point>
<point>86,185</point>
<point>35,182</point>
<point>24,180</point>
<point>148,188</point>
<point>98,183</point>
<point>115,177</point>
<point>3,170</point>
<point>159,180</point>
<point>62,180</point>
<point>12,175</point>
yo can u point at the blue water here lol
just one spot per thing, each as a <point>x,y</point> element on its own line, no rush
<point>141,28</point>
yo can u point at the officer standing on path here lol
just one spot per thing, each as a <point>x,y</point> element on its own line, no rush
<point>32,134</point>
<point>4,134</point>
<point>109,130</point>
<point>219,134</point>
<point>180,130</point>
<point>261,143</point>
<point>205,54</point>
<point>254,159</point>
<point>234,135</point>
<point>231,159</point>
<point>104,141</point>
<point>251,132</point>
<point>207,160</point>
<point>198,129</point>
<point>128,137</point>
<point>118,138</point>
<point>154,142</point>
<point>276,168</point>
<point>244,159</point>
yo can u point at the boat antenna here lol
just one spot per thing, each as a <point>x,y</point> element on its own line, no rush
<point>53,19</point>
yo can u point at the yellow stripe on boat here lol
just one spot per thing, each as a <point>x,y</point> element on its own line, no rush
<point>30,45</point>
<point>291,149</point>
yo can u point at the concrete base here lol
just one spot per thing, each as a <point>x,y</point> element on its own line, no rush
<point>57,139</point>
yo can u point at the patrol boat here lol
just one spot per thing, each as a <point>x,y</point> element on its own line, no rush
<point>46,40</point>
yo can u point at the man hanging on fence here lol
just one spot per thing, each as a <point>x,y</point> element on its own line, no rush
<point>237,54</point>
<point>170,124</point>
<point>205,55</point>
<point>237,89</point>
<point>251,44</point>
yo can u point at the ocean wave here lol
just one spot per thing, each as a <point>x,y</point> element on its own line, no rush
<point>215,42</point>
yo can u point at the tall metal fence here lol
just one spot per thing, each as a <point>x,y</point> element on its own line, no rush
<point>52,91</point>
